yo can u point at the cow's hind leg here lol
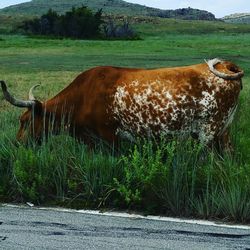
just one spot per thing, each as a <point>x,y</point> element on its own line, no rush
<point>206,134</point>
<point>220,143</point>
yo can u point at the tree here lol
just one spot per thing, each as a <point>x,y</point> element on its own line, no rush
<point>78,23</point>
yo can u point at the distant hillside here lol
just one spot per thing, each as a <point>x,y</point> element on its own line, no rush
<point>117,7</point>
<point>237,18</point>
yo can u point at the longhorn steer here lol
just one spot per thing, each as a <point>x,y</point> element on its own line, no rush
<point>198,100</point>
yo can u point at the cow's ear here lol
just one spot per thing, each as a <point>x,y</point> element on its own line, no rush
<point>37,108</point>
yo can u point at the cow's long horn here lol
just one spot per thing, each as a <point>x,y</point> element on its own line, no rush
<point>14,101</point>
<point>213,62</point>
<point>31,96</point>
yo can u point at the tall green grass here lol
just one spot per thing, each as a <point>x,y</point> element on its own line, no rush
<point>178,177</point>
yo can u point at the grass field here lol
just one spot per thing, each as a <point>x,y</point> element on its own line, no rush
<point>191,182</point>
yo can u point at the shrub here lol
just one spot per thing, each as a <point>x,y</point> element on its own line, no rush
<point>119,31</point>
<point>78,23</point>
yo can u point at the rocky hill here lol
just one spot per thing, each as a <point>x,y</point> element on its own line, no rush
<point>237,18</point>
<point>113,7</point>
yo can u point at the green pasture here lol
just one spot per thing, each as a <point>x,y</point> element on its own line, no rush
<point>194,181</point>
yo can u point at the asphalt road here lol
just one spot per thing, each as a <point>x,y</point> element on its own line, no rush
<point>31,228</point>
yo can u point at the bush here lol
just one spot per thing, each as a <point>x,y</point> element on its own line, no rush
<point>78,23</point>
<point>182,178</point>
<point>116,31</point>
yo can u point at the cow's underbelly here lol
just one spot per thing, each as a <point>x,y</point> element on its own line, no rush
<point>181,122</point>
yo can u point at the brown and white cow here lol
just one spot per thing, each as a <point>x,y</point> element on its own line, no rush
<point>111,102</point>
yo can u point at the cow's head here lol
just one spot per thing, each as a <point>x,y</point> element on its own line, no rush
<point>32,120</point>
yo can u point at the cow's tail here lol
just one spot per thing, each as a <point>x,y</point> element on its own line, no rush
<point>236,75</point>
